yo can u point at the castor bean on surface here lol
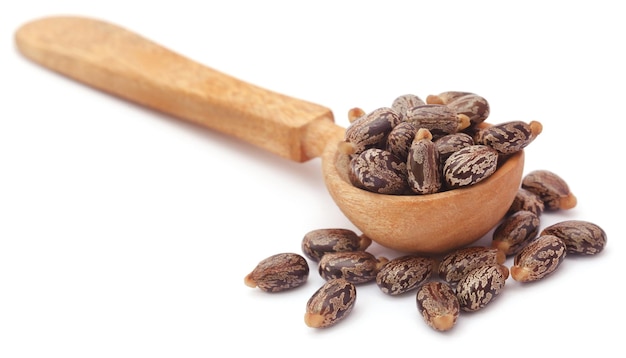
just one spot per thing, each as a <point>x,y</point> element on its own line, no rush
<point>370,130</point>
<point>438,304</point>
<point>481,286</point>
<point>438,119</point>
<point>423,166</point>
<point>378,171</point>
<point>551,188</point>
<point>330,304</point>
<point>579,236</point>
<point>403,103</point>
<point>538,259</point>
<point>528,201</point>
<point>458,263</point>
<point>515,231</point>
<point>355,266</point>
<point>279,272</point>
<point>509,137</point>
<point>400,139</point>
<point>318,242</point>
<point>469,166</point>
<point>450,143</point>
<point>403,274</point>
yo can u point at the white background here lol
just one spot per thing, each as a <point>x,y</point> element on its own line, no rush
<point>127,233</point>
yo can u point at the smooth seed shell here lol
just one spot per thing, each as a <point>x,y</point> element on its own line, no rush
<point>581,237</point>
<point>355,267</point>
<point>515,232</point>
<point>404,274</point>
<point>528,201</point>
<point>318,242</point>
<point>330,304</point>
<point>480,286</point>
<point>458,263</point>
<point>538,259</point>
<point>438,305</point>
<point>551,188</point>
<point>279,272</point>
<point>470,165</point>
<point>378,171</point>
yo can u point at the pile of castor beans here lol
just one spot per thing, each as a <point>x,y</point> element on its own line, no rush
<point>419,148</point>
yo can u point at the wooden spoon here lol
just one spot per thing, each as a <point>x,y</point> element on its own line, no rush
<point>125,64</point>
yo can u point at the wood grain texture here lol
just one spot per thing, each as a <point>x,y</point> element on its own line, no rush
<point>125,64</point>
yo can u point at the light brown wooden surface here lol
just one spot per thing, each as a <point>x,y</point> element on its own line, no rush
<point>120,62</point>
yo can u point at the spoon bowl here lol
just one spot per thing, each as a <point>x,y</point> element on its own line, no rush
<point>120,62</point>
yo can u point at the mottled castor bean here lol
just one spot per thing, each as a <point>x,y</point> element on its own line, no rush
<point>438,305</point>
<point>538,259</point>
<point>450,143</point>
<point>318,242</point>
<point>480,286</point>
<point>356,266</point>
<point>330,304</point>
<point>400,139</point>
<point>438,119</point>
<point>551,188</point>
<point>423,166</point>
<point>446,97</point>
<point>580,237</point>
<point>456,264</point>
<point>370,130</point>
<point>404,273</point>
<point>475,107</point>
<point>508,137</point>
<point>528,201</point>
<point>469,166</point>
<point>378,171</point>
<point>515,231</point>
<point>279,272</point>
<point>403,103</point>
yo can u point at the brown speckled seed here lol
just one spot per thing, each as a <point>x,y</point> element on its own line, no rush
<point>450,143</point>
<point>403,103</point>
<point>515,231</point>
<point>446,97</point>
<point>580,237</point>
<point>438,119</point>
<point>318,242</point>
<point>509,137</point>
<point>423,166</point>
<point>378,171</point>
<point>526,200</point>
<point>371,129</point>
<point>356,266</point>
<point>458,263</point>
<point>475,107</point>
<point>551,188</point>
<point>470,165</point>
<point>438,305</point>
<point>330,304</point>
<point>404,273</point>
<point>538,259</point>
<point>279,272</point>
<point>480,286</point>
<point>400,139</point>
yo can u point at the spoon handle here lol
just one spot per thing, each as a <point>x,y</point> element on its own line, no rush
<point>125,64</point>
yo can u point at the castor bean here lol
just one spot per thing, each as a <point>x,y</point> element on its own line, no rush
<point>515,231</point>
<point>355,266</point>
<point>480,286</point>
<point>403,274</point>
<point>470,165</point>
<point>330,304</point>
<point>508,137</point>
<point>450,143</point>
<point>378,171</point>
<point>538,259</point>
<point>318,242</point>
<point>580,237</point>
<point>423,166</point>
<point>400,138</point>
<point>370,130</point>
<point>456,264</point>
<point>403,103</point>
<point>438,305</point>
<point>551,188</point>
<point>528,201</point>
<point>446,97</point>
<point>279,272</point>
<point>438,119</point>
<point>475,107</point>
